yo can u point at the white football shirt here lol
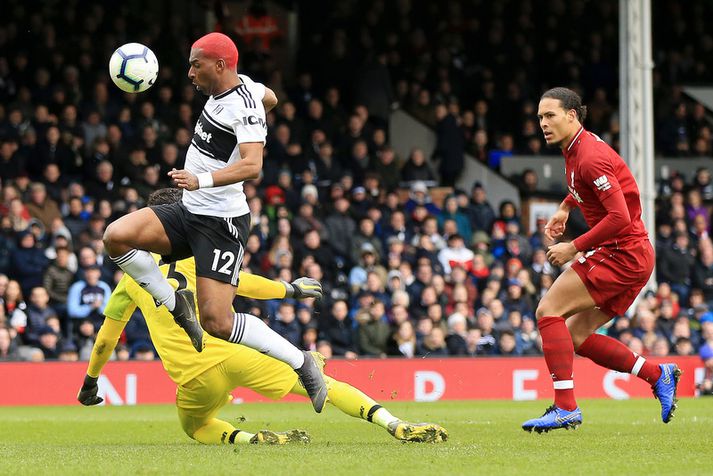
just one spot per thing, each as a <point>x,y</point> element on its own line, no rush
<point>228,119</point>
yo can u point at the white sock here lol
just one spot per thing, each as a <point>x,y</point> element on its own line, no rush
<point>140,265</point>
<point>252,332</point>
<point>382,417</point>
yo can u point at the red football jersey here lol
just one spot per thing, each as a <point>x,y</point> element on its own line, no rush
<point>594,171</point>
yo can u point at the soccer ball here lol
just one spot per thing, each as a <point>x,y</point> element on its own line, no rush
<point>133,67</point>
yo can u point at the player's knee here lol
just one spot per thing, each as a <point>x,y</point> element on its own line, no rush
<point>189,431</point>
<point>114,238</point>
<point>110,237</point>
<point>216,325</point>
<point>542,310</point>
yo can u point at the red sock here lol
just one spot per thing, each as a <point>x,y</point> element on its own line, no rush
<point>559,355</point>
<point>612,354</point>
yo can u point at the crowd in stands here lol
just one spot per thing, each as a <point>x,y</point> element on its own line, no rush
<point>403,276</point>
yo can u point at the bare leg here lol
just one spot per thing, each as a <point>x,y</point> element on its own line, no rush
<point>566,297</point>
<point>215,300</point>
<point>129,241</point>
<point>215,305</point>
<point>141,230</point>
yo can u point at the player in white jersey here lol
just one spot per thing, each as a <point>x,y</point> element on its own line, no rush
<point>213,221</point>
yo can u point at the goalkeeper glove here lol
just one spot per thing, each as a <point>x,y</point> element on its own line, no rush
<point>303,288</point>
<point>88,393</point>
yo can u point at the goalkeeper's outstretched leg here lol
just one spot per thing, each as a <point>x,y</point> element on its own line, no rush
<point>357,404</point>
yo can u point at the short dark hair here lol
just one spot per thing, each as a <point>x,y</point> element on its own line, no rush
<point>165,196</point>
<point>569,100</point>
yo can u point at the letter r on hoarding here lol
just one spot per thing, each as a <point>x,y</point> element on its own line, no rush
<point>519,377</point>
<point>421,379</point>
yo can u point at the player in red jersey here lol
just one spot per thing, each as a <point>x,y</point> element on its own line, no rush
<point>615,264</point>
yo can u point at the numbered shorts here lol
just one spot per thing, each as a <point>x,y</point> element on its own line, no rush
<point>217,243</point>
<point>200,399</point>
<point>615,276</point>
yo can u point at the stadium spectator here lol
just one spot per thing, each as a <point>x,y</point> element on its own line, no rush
<point>403,340</point>
<point>88,297</point>
<point>340,332</point>
<point>450,146</point>
<point>49,343</point>
<point>417,168</point>
<point>456,340</point>
<point>373,330</point>
<point>79,137</point>
<point>434,344</point>
<point>28,262</point>
<point>41,206</point>
<point>38,313</point>
<point>286,324</point>
<point>8,350</point>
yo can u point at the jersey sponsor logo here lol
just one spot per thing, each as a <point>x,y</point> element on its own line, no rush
<point>253,120</point>
<point>206,136</point>
<point>602,183</point>
<point>213,139</point>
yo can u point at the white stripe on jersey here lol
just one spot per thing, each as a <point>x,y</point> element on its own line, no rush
<point>227,120</point>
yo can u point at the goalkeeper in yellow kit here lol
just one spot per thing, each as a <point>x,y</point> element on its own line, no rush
<point>205,379</point>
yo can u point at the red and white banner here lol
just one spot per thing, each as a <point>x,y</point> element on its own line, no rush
<point>425,380</point>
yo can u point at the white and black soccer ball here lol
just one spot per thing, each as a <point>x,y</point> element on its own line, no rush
<point>133,67</point>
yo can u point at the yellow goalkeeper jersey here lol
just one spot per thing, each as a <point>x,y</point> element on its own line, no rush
<point>179,358</point>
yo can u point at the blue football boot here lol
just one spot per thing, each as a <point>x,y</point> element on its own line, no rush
<point>553,419</point>
<point>665,390</point>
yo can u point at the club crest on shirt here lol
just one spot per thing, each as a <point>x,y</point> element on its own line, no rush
<point>572,190</point>
<point>575,194</point>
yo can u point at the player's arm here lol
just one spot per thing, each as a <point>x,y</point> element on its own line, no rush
<point>247,168</point>
<point>257,287</point>
<point>599,173</point>
<point>269,100</point>
<point>117,311</point>
<point>569,203</point>
<point>557,222</point>
<point>616,220</point>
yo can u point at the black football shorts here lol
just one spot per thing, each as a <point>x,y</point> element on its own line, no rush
<point>217,243</point>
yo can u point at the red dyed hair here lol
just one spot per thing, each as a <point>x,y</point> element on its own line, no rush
<point>218,46</point>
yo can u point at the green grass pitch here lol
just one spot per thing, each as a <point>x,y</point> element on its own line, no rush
<point>618,437</point>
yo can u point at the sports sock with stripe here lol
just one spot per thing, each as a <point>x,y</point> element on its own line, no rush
<point>559,354</point>
<point>217,431</point>
<point>252,332</point>
<point>141,266</point>
<point>356,403</point>
<point>613,354</point>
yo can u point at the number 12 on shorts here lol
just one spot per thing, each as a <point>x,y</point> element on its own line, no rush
<point>227,258</point>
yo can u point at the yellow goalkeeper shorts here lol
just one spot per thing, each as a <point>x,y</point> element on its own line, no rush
<point>200,399</point>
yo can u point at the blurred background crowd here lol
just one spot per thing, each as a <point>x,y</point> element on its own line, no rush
<point>404,274</point>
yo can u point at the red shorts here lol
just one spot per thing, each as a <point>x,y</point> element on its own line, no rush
<point>615,276</point>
